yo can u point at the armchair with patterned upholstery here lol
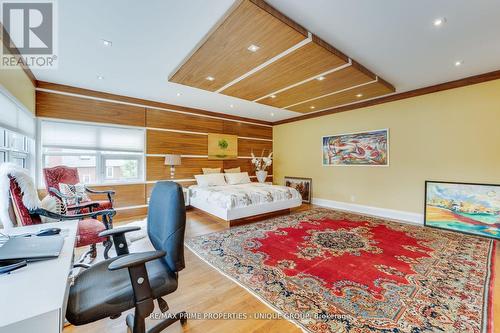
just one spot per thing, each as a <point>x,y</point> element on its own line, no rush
<point>89,226</point>
<point>67,175</point>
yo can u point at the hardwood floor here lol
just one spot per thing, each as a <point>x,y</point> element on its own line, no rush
<point>204,290</point>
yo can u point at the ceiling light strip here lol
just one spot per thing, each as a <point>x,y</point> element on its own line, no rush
<point>201,133</point>
<point>183,156</point>
<point>267,63</point>
<point>305,81</point>
<point>332,93</point>
<point>257,139</point>
<point>174,130</point>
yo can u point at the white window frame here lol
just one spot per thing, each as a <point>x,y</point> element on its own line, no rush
<point>133,157</point>
<point>108,173</point>
<point>100,158</point>
<point>10,153</point>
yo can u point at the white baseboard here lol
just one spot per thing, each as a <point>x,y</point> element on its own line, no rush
<point>392,214</point>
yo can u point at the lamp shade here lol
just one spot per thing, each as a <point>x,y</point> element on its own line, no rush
<point>172,159</point>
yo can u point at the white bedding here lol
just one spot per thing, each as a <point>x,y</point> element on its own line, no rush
<point>243,195</point>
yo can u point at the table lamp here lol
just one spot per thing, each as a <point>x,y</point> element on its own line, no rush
<point>172,160</point>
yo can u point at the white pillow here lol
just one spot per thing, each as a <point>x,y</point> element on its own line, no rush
<point>212,179</point>
<point>237,178</point>
<point>207,171</point>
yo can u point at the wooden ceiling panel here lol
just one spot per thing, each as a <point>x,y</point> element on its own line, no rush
<point>341,79</point>
<point>345,97</point>
<point>225,55</point>
<point>308,61</point>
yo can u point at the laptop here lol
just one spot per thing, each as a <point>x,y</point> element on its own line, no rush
<point>32,248</point>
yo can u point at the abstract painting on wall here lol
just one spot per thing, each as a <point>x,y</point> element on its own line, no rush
<point>465,207</point>
<point>222,146</point>
<point>365,148</point>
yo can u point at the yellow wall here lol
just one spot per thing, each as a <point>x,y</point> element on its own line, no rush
<point>19,85</point>
<point>451,135</point>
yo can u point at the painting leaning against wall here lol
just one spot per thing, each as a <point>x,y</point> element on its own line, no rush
<point>364,148</point>
<point>463,207</point>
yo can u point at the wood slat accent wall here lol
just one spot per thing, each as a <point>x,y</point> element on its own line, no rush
<point>183,122</point>
<point>245,165</point>
<point>167,132</point>
<point>247,146</point>
<point>126,195</point>
<point>248,130</point>
<point>156,170</point>
<point>163,142</point>
<point>83,109</point>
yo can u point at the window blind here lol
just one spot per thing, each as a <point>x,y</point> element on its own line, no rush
<point>15,118</point>
<point>91,137</point>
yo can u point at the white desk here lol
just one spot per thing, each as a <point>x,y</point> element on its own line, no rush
<point>33,298</point>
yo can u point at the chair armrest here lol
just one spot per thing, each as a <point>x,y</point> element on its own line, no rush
<point>135,259</point>
<point>118,231</point>
<point>83,205</point>
<point>139,279</point>
<point>56,216</point>
<point>112,192</point>
<point>58,193</point>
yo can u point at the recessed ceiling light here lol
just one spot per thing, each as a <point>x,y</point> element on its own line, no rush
<point>273,96</point>
<point>321,78</point>
<point>458,63</point>
<point>272,114</point>
<point>106,43</point>
<point>253,48</point>
<point>312,107</point>
<point>231,106</point>
<point>210,78</point>
<point>179,94</point>
<point>439,21</point>
<point>100,77</point>
<point>359,95</point>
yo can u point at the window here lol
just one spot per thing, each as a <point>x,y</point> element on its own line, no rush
<point>15,148</point>
<point>109,172</point>
<point>102,154</point>
<point>17,130</point>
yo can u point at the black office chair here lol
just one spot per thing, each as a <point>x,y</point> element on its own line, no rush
<point>127,281</point>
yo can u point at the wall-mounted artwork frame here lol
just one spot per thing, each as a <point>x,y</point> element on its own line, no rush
<point>469,208</point>
<point>222,146</point>
<point>369,148</point>
<point>303,185</point>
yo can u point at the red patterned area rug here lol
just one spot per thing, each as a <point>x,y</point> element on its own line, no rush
<point>330,271</point>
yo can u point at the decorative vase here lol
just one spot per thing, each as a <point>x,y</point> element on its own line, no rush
<point>261,176</point>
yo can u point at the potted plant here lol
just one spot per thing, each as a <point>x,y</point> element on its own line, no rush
<point>261,164</point>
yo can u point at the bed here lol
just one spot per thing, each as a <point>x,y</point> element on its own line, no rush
<point>236,202</point>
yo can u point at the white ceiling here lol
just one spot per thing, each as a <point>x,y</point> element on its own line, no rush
<point>395,39</point>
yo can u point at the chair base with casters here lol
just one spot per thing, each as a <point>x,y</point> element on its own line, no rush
<point>135,280</point>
